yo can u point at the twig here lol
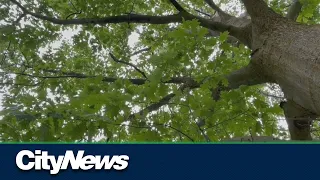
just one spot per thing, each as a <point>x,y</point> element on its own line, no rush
<point>77,11</point>
<point>140,51</point>
<point>157,124</point>
<point>129,64</point>
<point>204,13</point>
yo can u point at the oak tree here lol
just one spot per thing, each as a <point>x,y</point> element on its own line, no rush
<point>136,70</point>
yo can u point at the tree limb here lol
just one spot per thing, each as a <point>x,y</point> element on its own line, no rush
<point>299,120</point>
<point>258,8</point>
<point>221,25</point>
<point>136,18</point>
<point>177,6</point>
<point>135,81</point>
<point>221,13</point>
<point>247,76</point>
<point>153,107</point>
<point>140,51</point>
<point>205,136</point>
<point>130,18</point>
<point>129,64</point>
<point>203,13</point>
<point>76,10</point>
<point>294,10</point>
<point>18,84</point>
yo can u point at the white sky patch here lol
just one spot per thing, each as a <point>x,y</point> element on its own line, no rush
<point>66,36</point>
<point>232,7</point>
<point>133,39</point>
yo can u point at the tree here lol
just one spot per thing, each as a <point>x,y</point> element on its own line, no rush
<point>196,72</point>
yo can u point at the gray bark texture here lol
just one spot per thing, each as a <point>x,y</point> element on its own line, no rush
<point>287,53</point>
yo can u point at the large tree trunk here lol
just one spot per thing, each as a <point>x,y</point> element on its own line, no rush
<point>288,53</point>
<point>284,52</point>
<point>290,56</point>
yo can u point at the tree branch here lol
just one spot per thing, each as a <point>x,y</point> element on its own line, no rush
<point>129,64</point>
<point>220,26</point>
<point>203,13</point>
<point>179,131</point>
<point>130,18</point>
<point>271,95</point>
<point>19,18</point>
<point>191,84</point>
<point>140,51</point>
<point>247,76</point>
<point>76,10</point>
<point>153,107</point>
<point>137,81</point>
<point>294,10</point>
<point>177,6</point>
<point>206,137</point>
<point>299,120</point>
<point>156,124</point>
<point>136,18</point>
<point>18,84</point>
<point>258,8</point>
<point>223,14</point>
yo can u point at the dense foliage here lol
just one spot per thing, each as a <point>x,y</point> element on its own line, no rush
<point>128,82</point>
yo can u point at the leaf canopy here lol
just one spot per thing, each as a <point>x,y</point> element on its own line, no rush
<point>126,82</point>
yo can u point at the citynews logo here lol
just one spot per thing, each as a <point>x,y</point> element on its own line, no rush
<point>40,160</point>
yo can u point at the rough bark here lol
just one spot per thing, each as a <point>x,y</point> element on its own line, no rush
<point>294,10</point>
<point>248,75</point>
<point>298,119</point>
<point>290,56</point>
<point>288,53</point>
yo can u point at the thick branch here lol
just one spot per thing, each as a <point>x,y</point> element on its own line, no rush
<point>258,8</point>
<point>232,40</point>
<point>135,81</point>
<point>240,27</point>
<point>294,10</point>
<point>203,13</point>
<point>133,18</point>
<point>177,6</point>
<point>248,76</point>
<point>136,18</point>
<point>221,13</point>
<point>218,26</point>
<point>299,120</point>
